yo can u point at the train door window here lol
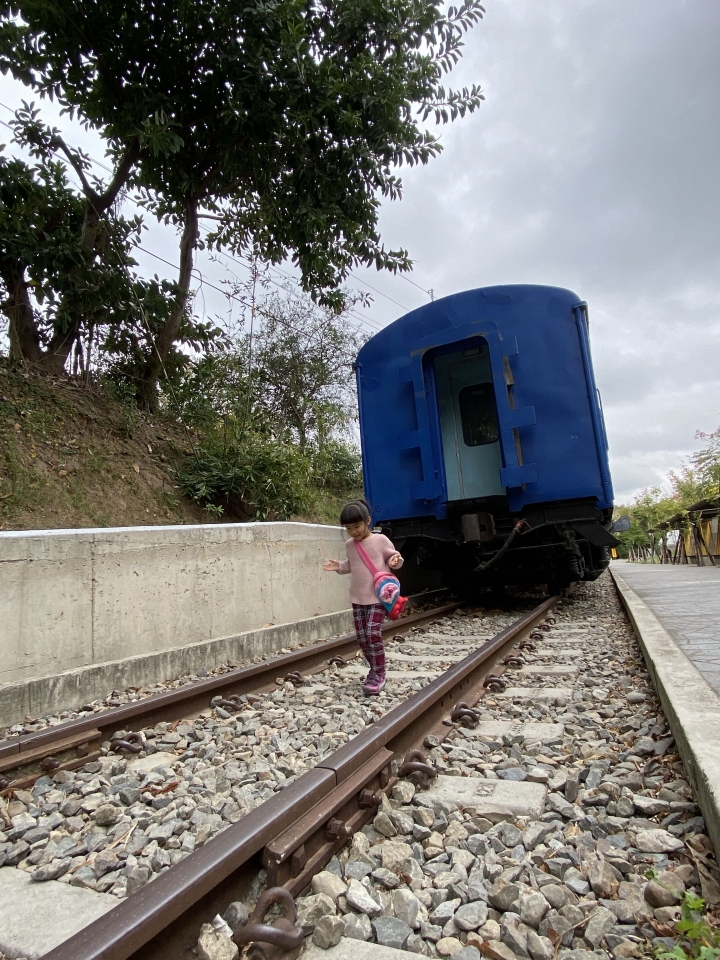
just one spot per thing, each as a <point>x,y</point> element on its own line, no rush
<point>478,414</point>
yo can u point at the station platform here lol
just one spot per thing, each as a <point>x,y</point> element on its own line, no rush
<point>675,613</point>
<point>686,601</point>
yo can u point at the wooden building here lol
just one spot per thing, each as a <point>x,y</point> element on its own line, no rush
<point>696,537</point>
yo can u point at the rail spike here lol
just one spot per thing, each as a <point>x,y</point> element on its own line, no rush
<point>132,742</point>
<point>465,715</point>
<point>512,660</point>
<point>416,768</point>
<point>227,703</point>
<point>280,940</point>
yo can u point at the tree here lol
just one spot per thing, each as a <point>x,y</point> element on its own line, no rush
<point>285,120</point>
<point>705,466</point>
<point>288,375</point>
<point>45,272</point>
<point>302,360</point>
<point>33,203</point>
<point>275,407</point>
<point>48,279</point>
<point>95,245</point>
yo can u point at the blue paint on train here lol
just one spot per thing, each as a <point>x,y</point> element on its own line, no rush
<point>485,393</point>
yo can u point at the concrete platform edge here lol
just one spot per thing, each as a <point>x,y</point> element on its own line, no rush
<point>691,706</point>
<point>73,688</point>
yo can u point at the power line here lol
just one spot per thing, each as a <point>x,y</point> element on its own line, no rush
<point>230,296</point>
<point>368,320</point>
<point>280,286</point>
<point>396,302</point>
<point>430,293</point>
<point>365,320</point>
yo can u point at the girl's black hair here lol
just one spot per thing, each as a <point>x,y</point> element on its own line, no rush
<point>355,512</point>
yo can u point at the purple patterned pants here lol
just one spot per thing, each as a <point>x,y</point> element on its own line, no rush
<point>368,621</point>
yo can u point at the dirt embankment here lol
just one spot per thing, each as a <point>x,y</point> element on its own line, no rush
<point>72,457</point>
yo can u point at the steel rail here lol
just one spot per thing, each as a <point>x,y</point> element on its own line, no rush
<point>159,921</point>
<point>87,732</point>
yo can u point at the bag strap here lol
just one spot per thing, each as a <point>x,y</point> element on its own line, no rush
<point>366,559</point>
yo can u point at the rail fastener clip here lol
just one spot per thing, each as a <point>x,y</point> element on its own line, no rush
<point>271,941</point>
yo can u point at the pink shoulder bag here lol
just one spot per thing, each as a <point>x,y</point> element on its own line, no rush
<point>386,585</point>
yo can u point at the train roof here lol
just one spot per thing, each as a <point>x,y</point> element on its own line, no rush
<point>492,303</point>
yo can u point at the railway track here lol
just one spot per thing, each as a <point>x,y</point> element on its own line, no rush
<point>296,832</point>
<point>70,745</point>
<point>577,732</point>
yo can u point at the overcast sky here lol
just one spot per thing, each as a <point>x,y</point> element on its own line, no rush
<point>593,164</point>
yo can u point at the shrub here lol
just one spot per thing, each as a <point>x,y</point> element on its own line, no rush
<point>255,478</point>
<point>698,940</point>
<point>337,468</point>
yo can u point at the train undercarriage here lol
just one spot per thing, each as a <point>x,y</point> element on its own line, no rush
<point>481,545</point>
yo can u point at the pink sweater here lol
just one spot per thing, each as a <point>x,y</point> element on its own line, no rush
<point>379,549</point>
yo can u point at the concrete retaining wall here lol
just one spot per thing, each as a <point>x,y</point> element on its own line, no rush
<point>71,599</point>
<point>74,688</point>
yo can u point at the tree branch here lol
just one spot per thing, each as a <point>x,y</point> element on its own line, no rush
<point>120,176</point>
<point>101,201</point>
<point>77,167</point>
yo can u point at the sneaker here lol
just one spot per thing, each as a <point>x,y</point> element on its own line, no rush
<point>374,687</point>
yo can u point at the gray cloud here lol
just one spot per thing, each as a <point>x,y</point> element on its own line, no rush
<point>593,165</point>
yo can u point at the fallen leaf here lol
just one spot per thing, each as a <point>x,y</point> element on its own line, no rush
<point>136,468</point>
<point>707,869</point>
<point>166,788</point>
<point>63,473</point>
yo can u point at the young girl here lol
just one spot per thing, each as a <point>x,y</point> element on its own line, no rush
<point>368,614</point>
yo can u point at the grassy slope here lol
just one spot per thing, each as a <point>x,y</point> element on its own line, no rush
<point>71,457</point>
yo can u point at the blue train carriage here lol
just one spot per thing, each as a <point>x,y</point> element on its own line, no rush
<point>484,445</point>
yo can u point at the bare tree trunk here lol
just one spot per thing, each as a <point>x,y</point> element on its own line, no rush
<point>88,353</point>
<point>165,340</point>
<point>23,331</point>
<point>96,204</point>
<point>65,336</point>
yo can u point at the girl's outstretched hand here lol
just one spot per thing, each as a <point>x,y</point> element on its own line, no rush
<point>331,565</point>
<point>394,560</point>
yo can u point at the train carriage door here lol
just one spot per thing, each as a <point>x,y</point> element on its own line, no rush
<point>469,424</point>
